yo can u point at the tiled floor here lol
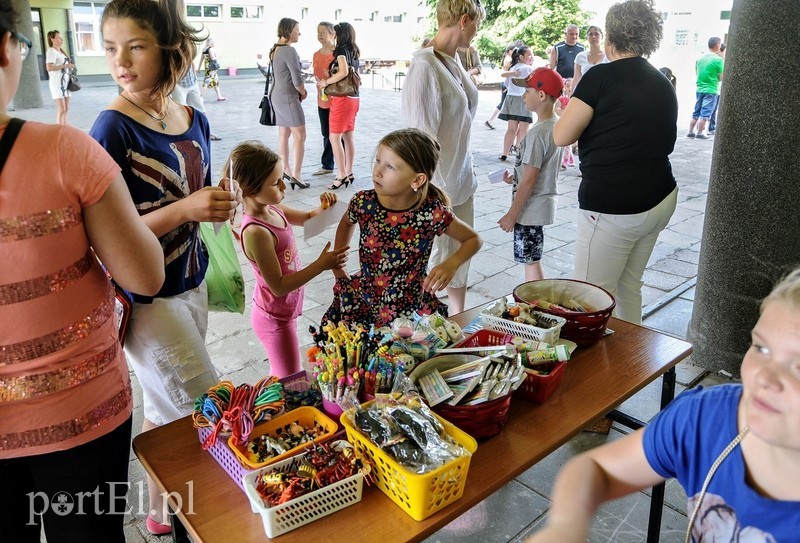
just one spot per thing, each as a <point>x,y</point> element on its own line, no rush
<point>668,293</point>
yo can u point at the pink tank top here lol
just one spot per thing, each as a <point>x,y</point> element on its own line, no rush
<point>285,307</point>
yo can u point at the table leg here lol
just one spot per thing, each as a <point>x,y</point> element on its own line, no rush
<point>657,496</point>
<point>179,533</point>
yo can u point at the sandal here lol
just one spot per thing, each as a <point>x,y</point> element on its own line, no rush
<point>337,183</point>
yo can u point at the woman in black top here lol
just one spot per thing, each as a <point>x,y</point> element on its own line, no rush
<point>342,121</point>
<point>624,117</point>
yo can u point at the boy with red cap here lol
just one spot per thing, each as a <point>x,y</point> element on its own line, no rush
<point>534,194</point>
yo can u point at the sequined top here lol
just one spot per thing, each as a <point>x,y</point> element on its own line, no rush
<point>161,169</point>
<point>63,378</point>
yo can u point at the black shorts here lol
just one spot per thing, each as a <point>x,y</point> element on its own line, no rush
<point>528,243</point>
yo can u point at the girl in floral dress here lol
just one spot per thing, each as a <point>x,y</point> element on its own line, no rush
<point>398,221</point>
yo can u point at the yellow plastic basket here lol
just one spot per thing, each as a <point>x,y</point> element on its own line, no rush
<point>305,416</point>
<point>418,495</point>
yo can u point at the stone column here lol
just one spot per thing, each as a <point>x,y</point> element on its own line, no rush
<point>29,94</point>
<point>751,235</point>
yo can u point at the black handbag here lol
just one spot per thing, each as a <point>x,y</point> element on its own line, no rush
<point>267,111</point>
<point>73,84</point>
<point>344,87</point>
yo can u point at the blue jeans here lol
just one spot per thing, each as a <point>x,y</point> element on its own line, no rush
<point>705,105</point>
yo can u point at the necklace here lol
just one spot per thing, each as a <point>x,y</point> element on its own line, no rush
<point>158,120</point>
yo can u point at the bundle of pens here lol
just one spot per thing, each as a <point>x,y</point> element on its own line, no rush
<point>347,360</point>
<point>236,409</point>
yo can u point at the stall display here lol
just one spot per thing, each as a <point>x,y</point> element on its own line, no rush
<point>302,489</point>
<point>586,308</point>
<point>420,461</point>
<point>522,320</point>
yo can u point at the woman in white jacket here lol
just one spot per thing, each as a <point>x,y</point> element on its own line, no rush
<point>439,98</point>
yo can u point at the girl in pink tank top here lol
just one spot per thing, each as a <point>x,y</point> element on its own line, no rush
<point>268,243</point>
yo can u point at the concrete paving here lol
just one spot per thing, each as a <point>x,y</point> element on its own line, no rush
<point>668,292</point>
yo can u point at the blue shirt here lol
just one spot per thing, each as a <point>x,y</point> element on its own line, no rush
<point>683,442</point>
<point>161,169</point>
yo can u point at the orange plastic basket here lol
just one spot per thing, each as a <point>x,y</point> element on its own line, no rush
<point>305,416</point>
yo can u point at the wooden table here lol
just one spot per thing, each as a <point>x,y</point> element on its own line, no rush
<point>597,379</point>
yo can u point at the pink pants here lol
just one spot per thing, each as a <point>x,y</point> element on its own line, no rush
<point>279,338</point>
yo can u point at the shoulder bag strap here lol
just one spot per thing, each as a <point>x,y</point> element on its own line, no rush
<point>8,139</point>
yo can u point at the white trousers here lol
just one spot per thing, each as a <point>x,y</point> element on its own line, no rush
<point>612,251</point>
<point>166,348</point>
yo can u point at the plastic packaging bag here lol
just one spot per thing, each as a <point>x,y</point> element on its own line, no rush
<point>224,275</point>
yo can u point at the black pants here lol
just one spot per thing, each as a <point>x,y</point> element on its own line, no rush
<point>327,151</point>
<point>46,488</point>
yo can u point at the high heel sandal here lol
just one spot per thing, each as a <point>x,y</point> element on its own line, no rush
<point>338,183</point>
<point>297,182</point>
<point>351,178</point>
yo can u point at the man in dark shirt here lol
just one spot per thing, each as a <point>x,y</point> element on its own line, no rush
<point>562,58</point>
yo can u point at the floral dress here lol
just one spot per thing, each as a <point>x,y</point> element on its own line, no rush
<point>211,67</point>
<point>394,249</point>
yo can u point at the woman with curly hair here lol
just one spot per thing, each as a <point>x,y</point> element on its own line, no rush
<point>624,117</point>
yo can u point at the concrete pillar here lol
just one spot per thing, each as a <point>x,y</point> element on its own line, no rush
<point>751,235</point>
<point>29,94</point>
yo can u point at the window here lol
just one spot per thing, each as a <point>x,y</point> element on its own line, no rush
<point>88,40</point>
<point>725,15</point>
<point>204,11</point>
<point>681,37</point>
<point>303,13</point>
<point>247,12</point>
<point>393,19</point>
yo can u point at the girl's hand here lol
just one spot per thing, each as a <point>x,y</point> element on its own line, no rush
<point>507,222</point>
<point>327,199</point>
<point>439,277</point>
<point>508,177</point>
<point>225,184</point>
<point>333,259</point>
<point>209,204</point>
<point>322,83</point>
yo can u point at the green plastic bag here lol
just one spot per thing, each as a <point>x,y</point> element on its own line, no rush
<point>224,275</point>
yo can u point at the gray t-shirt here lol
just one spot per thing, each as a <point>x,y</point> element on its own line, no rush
<point>540,151</point>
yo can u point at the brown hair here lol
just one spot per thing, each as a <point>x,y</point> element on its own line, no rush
<point>176,39</point>
<point>51,36</point>
<point>421,152</point>
<point>285,27</point>
<point>252,163</point>
<point>634,27</point>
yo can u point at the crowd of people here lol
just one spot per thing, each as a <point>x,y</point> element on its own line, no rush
<point>126,202</point>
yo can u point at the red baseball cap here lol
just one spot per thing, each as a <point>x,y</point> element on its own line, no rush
<point>543,79</point>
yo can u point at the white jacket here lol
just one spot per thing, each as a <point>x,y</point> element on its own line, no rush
<point>433,101</point>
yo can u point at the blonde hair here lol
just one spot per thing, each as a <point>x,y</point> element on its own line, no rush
<point>252,163</point>
<point>421,152</point>
<point>448,12</point>
<point>787,291</point>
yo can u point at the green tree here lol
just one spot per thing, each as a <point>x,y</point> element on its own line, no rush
<point>538,23</point>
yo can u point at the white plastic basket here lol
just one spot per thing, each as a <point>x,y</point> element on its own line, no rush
<point>307,508</point>
<point>526,331</point>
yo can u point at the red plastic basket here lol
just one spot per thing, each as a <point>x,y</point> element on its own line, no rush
<point>486,338</point>
<point>537,388</point>
<point>488,418</point>
<point>480,421</point>
<point>582,328</point>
